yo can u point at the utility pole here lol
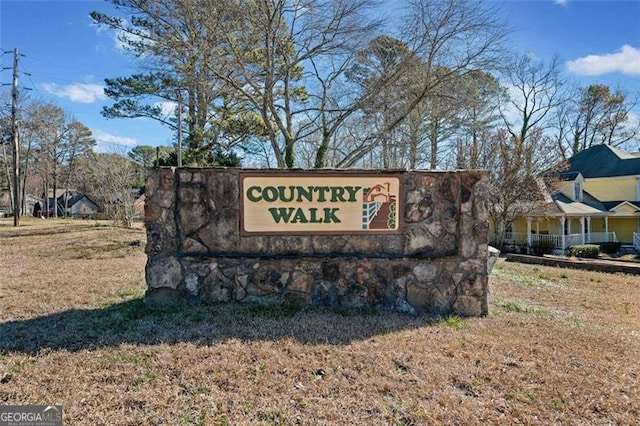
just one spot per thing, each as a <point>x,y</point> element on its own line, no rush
<point>15,142</point>
<point>179,97</point>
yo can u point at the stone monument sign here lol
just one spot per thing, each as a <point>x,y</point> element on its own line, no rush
<point>411,241</point>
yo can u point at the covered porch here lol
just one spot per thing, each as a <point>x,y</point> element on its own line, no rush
<point>571,231</point>
<point>559,232</point>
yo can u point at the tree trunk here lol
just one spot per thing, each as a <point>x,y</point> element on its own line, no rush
<point>55,189</point>
<point>473,160</point>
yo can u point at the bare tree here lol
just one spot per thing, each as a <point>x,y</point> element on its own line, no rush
<point>600,116</point>
<point>518,186</point>
<point>6,155</point>
<point>266,52</point>
<point>450,39</point>
<point>536,89</point>
<point>457,36</point>
<point>50,151</point>
<point>109,179</point>
<point>78,143</point>
<point>384,74</point>
<point>481,96</point>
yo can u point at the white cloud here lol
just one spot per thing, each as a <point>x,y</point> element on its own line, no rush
<point>105,138</point>
<point>626,61</point>
<point>167,108</point>
<point>118,34</point>
<point>85,93</point>
<point>561,2</point>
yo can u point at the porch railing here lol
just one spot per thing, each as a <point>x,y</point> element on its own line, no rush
<point>636,240</point>
<point>602,237</point>
<point>518,238</point>
<point>521,239</point>
<point>547,240</point>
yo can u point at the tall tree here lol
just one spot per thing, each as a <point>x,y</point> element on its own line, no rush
<point>536,89</point>
<point>458,37</point>
<point>482,95</point>
<point>35,119</point>
<point>265,55</point>
<point>535,92</point>
<point>177,50</point>
<point>600,117</point>
<point>6,151</point>
<point>386,68</point>
<point>238,65</point>
<point>79,142</point>
<point>50,150</point>
<point>449,39</point>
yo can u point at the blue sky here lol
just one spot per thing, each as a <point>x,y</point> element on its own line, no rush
<point>68,58</point>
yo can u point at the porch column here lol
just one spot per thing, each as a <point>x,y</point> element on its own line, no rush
<point>582,230</point>
<point>562,221</point>
<point>529,231</point>
<point>588,229</point>
<point>606,226</point>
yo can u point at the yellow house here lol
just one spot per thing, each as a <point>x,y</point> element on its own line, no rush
<point>598,201</point>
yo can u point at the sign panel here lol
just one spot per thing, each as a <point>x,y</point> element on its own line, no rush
<point>313,203</point>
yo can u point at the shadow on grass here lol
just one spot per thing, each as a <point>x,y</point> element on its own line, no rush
<point>133,322</point>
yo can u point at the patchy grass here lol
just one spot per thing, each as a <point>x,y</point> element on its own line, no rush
<point>559,347</point>
<point>452,321</point>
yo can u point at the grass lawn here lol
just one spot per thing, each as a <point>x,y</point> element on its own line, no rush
<point>560,346</point>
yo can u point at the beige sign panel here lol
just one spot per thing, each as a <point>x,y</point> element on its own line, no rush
<point>314,203</point>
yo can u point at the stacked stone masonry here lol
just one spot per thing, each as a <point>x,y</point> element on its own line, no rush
<point>436,265</point>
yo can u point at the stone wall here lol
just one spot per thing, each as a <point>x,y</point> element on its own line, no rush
<point>437,264</point>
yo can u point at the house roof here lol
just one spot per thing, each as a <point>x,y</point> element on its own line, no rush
<point>611,205</point>
<point>588,206</point>
<point>73,199</point>
<point>78,197</point>
<point>568,176</point>
<point>595,162</point>
<point>604,161</point>
<point>592,201</point>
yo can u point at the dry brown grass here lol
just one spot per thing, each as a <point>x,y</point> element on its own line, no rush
<point>559,347</point>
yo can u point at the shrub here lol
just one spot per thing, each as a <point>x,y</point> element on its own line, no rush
<point>505,247</point>
<point>539,248</point>
<point>589,251</point>
<point>610,247</point>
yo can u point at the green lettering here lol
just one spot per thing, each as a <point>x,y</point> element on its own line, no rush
<point>251,197</point>
<point>281,213</point>
<point>304,192</point>
<point>299,217</point>
<point>270,194</point>
<point>321,190</point>
<point>337,194</point>
<point>330,215</point>
<point>283,197</point>
<point>313,212</point>
<point>352,190</point>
